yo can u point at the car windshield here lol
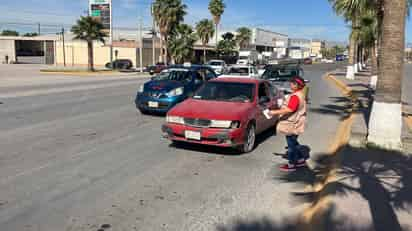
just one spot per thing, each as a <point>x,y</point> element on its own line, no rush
<point>223,91</point>
<point>181,75</point>
<point>280,74</point>
<point>215,63</point>
<point>242,71</point>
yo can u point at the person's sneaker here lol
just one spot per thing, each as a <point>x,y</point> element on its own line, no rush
<point>288,168</point>
<point>301,163</point>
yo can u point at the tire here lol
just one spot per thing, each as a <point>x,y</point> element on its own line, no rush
<point>250,139</point>
<point>144,112</point>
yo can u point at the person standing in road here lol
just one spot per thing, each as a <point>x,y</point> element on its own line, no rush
<point>292,124</point>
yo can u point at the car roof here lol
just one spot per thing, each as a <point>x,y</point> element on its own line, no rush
<point>282,66</point>
<point>192,67</point>
<point>238,80</point>
<point>241,66</point>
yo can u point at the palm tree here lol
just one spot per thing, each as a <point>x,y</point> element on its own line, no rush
<point>205,30</point>
<point>243,37</point>
<point>181,43</point>
<point>167,14</point>
<point>217,8</point>
<point>89,29</point>
<point>351,11</point>
<point>386,117</point>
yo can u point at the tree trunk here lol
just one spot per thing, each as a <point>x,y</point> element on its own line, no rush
<point>374,61</point>
<point>166,51</point>
<point>352,44</point>
<point>161,49</point>
<point>90,55</point>
<point>393,46</point>
<point>204,54</point>
<point>217,37</point>
<point>385,124</point>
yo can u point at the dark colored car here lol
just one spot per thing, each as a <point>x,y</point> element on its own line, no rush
<point>307,61</point>
<point>225,112</point>
<point>156,69</point>
<point>172,86</point>
<point>280,75</point>
<point>122,64</point>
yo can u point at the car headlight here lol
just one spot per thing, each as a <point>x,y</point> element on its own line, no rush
<point>224,124</point>
<point>175,92</point>
<point>141,88</point>
<point>175,119</point>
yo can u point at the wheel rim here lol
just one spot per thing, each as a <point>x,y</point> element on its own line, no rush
<point>250,142</point>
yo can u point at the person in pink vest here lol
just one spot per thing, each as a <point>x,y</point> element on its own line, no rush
<point>292,118</point>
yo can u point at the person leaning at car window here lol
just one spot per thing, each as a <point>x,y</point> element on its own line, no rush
<point>292,123</point>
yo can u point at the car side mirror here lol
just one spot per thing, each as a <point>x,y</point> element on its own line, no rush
<point>264,100</point>
<point>307,81</point>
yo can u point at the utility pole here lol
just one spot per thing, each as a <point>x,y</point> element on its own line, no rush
<point>111,33</point>
<point>141,43</point>
<point>153,37</point>
<point>64,48</point>
<point>38,28</point>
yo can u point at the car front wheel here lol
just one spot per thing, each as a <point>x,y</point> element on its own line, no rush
<point>250,139</point>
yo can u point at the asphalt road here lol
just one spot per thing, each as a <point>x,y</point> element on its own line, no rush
<point>76,157</point>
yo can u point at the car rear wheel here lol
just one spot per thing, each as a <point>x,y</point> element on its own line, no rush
<point>250,139</point>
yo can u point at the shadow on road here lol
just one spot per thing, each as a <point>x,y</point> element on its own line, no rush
<point>381,178</point>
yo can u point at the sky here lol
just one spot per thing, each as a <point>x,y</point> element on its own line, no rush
<point>298,18</point>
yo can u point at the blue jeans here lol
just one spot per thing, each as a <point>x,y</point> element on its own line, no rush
<point>294,154</point>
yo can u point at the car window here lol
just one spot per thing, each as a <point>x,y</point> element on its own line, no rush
<point>226,91</point>
<point>198,78</point>
<point>272,90</point>
<point>209,74</point>
<point>263,92</point>
<point>175,75</point>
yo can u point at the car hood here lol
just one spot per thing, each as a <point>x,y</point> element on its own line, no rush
<point>162,85</point>
<point>213,110</point>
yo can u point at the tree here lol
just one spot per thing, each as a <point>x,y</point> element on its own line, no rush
<point>89,29</point>
<point>205,30</point>
<point>386,118</point>
<point>30,34</point>
<point>9,33</point>
<point>217,8</point>
<point>227,46</point>
<point>167,14</point>
<point>351,10</point>
<point>243,37</point>
<point>181,43</point>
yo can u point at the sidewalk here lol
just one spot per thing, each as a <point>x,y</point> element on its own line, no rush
<point>365,188</point>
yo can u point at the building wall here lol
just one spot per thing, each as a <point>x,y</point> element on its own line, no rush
<point>317,46</point>
<point>76,54</point>
<point>7,47</point>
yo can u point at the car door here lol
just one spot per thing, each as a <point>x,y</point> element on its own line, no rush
<point>265,101</point>
<point>209,74</point>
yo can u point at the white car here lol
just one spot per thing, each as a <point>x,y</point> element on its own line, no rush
<point>219,66</point>
<point>246,71</point>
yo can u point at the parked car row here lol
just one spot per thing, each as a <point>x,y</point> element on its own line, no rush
<point>204,108</point>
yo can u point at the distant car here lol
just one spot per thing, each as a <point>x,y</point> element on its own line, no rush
<point>247,71</point>
<point>219,66</point>
<point>340,58</point>
<point>171,86</point>
<point>225,112</point>
<point>280,75</point>
<point>120,64</point>
<point>329,61</point>
<point>307,61</point>
<point>156,69</point>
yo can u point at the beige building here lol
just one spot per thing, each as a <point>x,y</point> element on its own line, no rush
<point>74,52</point>
<point>316,48</point>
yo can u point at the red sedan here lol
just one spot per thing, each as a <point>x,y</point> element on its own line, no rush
<point>225,112</point>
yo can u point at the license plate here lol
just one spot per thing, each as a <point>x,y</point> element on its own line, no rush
<point>154,104</point>
<point>191,135</point>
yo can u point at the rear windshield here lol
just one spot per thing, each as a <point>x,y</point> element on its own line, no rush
<point>242,71</point>
<point>215,63</point>
<point>280,74</point>
<point>230,92</point>
<point>180,75</point>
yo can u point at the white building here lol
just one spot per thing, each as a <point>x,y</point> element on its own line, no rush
<point>299,48</point>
